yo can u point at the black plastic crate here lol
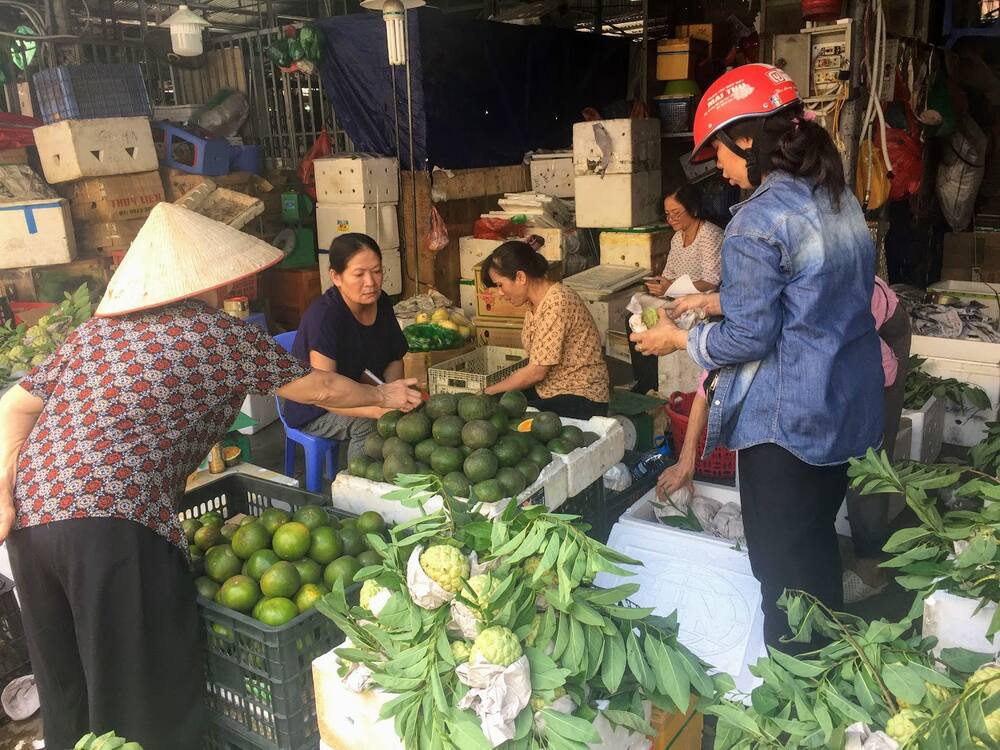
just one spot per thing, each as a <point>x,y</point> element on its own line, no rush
<point>260,677</point>
<point>589,505</point>
<point>218,737</point>
<point>14,660</point>
<point>90,91</point>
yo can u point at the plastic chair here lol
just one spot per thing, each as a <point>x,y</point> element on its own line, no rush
<point>319,452</point>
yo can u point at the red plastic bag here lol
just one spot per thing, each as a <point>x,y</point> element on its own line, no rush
<point>307,171</point>
<point>905,153</point>
<point>436,238</point>
<point>494,228</point>
<point>16,130</point>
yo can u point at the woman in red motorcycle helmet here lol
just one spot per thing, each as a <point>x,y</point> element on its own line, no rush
<point>796,380</point>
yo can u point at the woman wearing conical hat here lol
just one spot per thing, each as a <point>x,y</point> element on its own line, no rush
<point>95,448</point>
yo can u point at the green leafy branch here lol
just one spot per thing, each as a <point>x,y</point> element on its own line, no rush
<point>921,386</point>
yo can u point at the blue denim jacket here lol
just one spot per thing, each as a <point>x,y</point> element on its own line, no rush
<point>797,347</point>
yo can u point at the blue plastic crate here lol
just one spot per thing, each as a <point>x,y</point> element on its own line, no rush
<point>88,92</point>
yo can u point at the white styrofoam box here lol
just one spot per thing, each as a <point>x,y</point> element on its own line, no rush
<point>555,238</point>
<point>72,149</point>
<point>552,173</point>
<point>926,431</point>
<point>904,440</point>
<point>179,113</point>
<point>615,147</point>
<point>349,720</point>
<point>467,297</point>
<point>677,372</point>
<point>609,311</point>
<point>597,281</point>
<point>642,248</point>
<point>36,233</point>
<point>473,251</point>
<point>262,409</point>
<point>379,222</point>
<point>392,271</point>
<point>953,620</point>
<point>970,290</point>
<point>973,362</point>
<point>707,580</point>
<point>357,494</point>
<point>586,465</point>
<point>357,179</point>
<point>618,200</point>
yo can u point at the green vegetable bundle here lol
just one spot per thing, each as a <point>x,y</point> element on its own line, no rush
<point>920,386</point>
<point>429,337</point>
<point>584,644</point>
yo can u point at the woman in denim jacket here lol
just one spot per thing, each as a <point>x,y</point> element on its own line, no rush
<point>796,378</point>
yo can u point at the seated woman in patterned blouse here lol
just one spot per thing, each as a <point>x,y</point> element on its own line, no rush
<point>565,373</point>
<point>695,247</point>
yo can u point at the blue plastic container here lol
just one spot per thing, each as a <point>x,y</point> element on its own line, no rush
<point>191,153</point>
<point>244,158</point>
<point>88,92</point>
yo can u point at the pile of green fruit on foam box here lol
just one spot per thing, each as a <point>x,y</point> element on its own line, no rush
<point>483,448</point>
<point>105,742</point>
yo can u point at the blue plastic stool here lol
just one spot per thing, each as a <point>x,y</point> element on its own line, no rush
<point>320,453</point>
<point>211,155</point>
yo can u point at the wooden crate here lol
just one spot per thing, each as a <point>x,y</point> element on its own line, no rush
<point>416,364</point>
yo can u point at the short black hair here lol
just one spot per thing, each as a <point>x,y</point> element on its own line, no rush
<point>689,196</point>
<point>346,246</point>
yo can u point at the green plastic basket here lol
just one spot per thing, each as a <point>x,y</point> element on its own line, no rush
<point>259,678</point>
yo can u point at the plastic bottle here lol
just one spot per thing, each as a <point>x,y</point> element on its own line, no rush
<point>654,461</point>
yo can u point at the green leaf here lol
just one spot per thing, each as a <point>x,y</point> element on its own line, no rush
<point>980,550</point>
<point>629,613</point>
<point>637,664</point>
<point>904,539</point>
<point>866,693</point>
<point>796,666</point>
<point>613,666</point>
<point>562,636</point>
<point>964,660</point>
<point>568,726</point>
<point>466,732</point>
<point>842,706</point>
<point>631,721</point>
<point>670,675</point>
<point>932,676</point>
<point>903,682</point>
<point>545,673</point>
<point>824,720</point>
<point>440,701</point>
<point>736,717</point>
<point>601,597</point>
<point>548,559</point>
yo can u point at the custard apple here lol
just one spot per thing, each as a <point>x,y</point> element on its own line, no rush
<point>990,673</point>
<point>497,645</point>
<point>993,724</point>
<point>446,566</point>
<point>529,567</point>
<point>937,693</point>
<point>536,625</point>
<point>903,725</point>
<point>650,317</point>
<point>461,651</point>
<point>483,586</point>
<point>538,703</point>
<point>369,589</point>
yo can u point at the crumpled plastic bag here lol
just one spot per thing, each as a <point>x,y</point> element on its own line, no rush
<point>619,737</point>
<point>640,301</point>
<point>675,504</point>
<point>704,509</point>
<point>18,182</point>
<point>424,590</point>
<point>359,677</point>
<point>859,737</point>
<point>436,238</point>
<point>728,523</point>
<point>496,695</point>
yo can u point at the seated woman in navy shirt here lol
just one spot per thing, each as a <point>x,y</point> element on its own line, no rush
<point>350,329</point>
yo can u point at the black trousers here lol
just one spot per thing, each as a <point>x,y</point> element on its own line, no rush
<point>645,367</point>
<point>789,508</point>
<point>567,405</point>
<point>112,628</point>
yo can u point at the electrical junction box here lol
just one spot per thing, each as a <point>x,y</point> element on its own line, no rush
<point>818,59</point>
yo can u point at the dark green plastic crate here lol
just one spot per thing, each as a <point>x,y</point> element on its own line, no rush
<point>13,647</point>
<point>259,678</point>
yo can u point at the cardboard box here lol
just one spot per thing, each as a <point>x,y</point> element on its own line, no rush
<point>505,332</point>
<point>416,364</point>
<point>116,198</point>
<point>379,222</point>
<point>491,304</point>
<point>289,292</point>
<point>634,147</point>
<point>176,183</point>
<point>36,233</point>
<point>472,252</point>
<point>971,256</point>
<point>107,237</point>
<point>552,174</point>
<point>643,248</point>
<point>48,283</point>
<point>392,271</point>
<point>73,149</point>
<point>618,200</point>
<point>678,59</point>
<point>357,179</point>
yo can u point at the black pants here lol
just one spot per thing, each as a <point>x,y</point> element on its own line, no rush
<point>789,508</point>
<point>645,367</point>
<point>112,628</point>
<point>566,405</point>
<point>869,514</point>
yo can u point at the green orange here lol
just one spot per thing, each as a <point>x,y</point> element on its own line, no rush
<point>291,541</point>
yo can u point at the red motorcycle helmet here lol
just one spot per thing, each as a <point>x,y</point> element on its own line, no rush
<point>743,93</point>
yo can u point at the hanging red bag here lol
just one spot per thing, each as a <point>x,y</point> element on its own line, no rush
<point>307,171</point>
<point>905,153</point>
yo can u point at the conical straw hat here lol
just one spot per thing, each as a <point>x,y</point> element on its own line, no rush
<point>178,254</point>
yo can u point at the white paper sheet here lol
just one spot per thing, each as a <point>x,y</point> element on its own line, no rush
<point>682,287</point>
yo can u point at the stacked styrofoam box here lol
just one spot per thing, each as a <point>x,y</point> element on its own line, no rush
<point>552,174</point>
<point>609,310</point>
<point>617,167</point>
<point>359,193</point>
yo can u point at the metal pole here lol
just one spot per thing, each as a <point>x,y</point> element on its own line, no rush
<point>644,55</point>
<point>850,120</point>
<point>413,173</point>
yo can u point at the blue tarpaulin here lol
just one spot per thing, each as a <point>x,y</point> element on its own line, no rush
<point>483,93</point>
